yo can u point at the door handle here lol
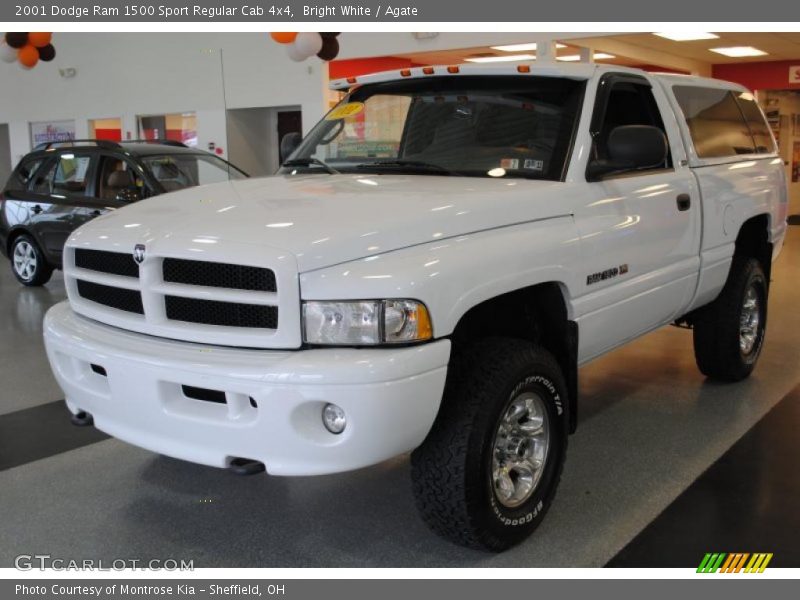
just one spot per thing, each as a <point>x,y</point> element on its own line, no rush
<point>684,202</point>
<point>37,209</point>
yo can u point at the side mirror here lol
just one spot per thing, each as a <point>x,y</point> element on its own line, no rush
<point>630,148</point>
<point>289,144</point>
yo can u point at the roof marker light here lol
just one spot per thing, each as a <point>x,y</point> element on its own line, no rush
<point>453,69</point>
<point>524,68</point>
<point>427,70</point>
<point>405,72</point>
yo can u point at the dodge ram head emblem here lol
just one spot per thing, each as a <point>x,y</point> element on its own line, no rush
<point>138,253</point>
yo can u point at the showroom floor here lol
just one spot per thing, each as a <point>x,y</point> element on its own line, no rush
<point>650,426</point>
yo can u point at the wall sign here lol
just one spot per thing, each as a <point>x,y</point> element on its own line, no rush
<point>52,131</point>
<point>794,74</point>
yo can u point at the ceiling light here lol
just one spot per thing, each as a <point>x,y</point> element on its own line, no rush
<point>687,36</point>
<point>739,51</point>
<point>577,57</point>
<point>521,47</point>
<point>506,58</point>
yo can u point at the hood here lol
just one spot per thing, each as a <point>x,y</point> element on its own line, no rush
<point>329,219</point>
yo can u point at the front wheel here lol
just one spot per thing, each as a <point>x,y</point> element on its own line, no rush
<point>488,470</point>
<point>729,332</point>
<point>28,264</point>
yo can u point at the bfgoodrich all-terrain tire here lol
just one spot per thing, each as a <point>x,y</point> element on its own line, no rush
<point>729,332</point>
<point>488,470</point>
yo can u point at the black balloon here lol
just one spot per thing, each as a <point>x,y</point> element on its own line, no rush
<point>16,39</point>
<point>328,35</point>
<point>330,49</point>
<point>47,53</point>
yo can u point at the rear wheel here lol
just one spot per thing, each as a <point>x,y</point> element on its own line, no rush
<point>729,332</point>
<point>28,263</point>
<point>488,470</point>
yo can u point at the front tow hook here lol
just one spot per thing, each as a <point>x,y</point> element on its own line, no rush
<point>245,466</point>
<point>82,419</point>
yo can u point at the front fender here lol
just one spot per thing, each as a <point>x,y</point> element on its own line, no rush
<point>453,275</point>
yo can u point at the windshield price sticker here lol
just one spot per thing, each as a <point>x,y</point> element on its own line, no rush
<point>345,110</point>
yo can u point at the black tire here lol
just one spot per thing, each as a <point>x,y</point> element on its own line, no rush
<point>41,270</point>
<point>717,327</point>
<point>452,470</point>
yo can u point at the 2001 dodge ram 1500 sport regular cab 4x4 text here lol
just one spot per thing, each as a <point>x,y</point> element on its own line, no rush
<point>426,273</point>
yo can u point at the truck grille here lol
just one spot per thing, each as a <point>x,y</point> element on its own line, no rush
<point>113,263</point>
<point>119,298</point>
<point>179,297</point>
<point>225,314</point>
<point>221,275</point>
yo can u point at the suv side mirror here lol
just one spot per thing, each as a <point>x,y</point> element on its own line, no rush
<point>289,144</point>
<point>630,148</point>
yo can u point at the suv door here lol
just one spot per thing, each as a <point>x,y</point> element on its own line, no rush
<point>58,189</point>
<point>116,183</point>
<point>640,230</point>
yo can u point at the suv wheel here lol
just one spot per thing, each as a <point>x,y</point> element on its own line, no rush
<point>729,332</point>
<point>28,263</point>
<point>488,470</point>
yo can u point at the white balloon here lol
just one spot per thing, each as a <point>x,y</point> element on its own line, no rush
<point>308,43</point>
<point>7,53</point>
<point>295,54</point>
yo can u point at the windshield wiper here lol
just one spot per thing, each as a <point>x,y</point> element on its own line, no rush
<point>305,162</point>
<point>413,164</point>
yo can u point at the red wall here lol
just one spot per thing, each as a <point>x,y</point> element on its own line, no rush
<point>771,75</point>
<point>353,67</point>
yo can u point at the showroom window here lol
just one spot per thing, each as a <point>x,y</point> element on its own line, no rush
<point>715,121</point>
<point>176,127</point>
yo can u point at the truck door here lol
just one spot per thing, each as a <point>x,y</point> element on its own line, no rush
<point>639,230</point>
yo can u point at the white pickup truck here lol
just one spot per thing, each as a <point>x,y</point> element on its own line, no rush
<point>426,273</point>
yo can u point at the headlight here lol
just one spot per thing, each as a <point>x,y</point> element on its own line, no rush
<point>366,323</point>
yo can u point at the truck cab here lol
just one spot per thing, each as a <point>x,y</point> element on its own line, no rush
<point>426,274</point>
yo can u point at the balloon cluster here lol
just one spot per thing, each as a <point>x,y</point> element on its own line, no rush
<point>300,46</point>
<point>27,48</point>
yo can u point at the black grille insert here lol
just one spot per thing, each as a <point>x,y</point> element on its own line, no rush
<point>119,298</point>
<point>114,263</point>
<point>221,275</point>
<point>226,314</point>
<point>196,393</point>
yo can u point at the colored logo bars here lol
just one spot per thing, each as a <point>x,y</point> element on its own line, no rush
<point>719,562</point>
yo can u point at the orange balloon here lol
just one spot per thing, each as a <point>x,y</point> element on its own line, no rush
<point>28,56</point>
<point>40,40</point>
<point>283,38</point>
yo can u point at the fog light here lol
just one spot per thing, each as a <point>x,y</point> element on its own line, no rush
<point>333,418</point>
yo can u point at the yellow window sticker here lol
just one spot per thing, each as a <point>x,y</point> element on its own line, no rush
<point>345,110</point>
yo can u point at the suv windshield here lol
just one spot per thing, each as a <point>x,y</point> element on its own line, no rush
<point>496,126</point>
<point>178,171</point>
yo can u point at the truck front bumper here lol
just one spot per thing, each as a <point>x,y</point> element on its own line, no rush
<point>135,387</point>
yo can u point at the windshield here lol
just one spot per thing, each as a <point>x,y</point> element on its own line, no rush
<point>179,171</point>
<point>497,126</point>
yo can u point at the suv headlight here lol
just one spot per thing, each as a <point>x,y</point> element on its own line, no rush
<point>366,323</point>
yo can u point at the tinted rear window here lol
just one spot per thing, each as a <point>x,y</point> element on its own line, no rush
<point>715,121</point>
<point>758,125</point>
<point>20,178</point>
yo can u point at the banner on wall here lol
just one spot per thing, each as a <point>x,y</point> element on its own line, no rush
<point>52,131</point>
<point>796,162</point>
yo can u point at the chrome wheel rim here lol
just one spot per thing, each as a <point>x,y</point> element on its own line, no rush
<point>749,320</point>
<point>520,448</point>
<point>25,261</point>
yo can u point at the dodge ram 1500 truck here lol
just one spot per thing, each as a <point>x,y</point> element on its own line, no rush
<point>426,273</point>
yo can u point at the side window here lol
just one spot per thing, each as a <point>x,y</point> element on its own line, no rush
<point>628,104</point>
<point>43,180</point>
<point>23,174</point>
<point>71,175</point>
<point>715,121</point>
<point>119,180</point>
<point>755,120</point>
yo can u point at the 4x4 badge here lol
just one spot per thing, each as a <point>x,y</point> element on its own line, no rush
<point>138,253</point>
